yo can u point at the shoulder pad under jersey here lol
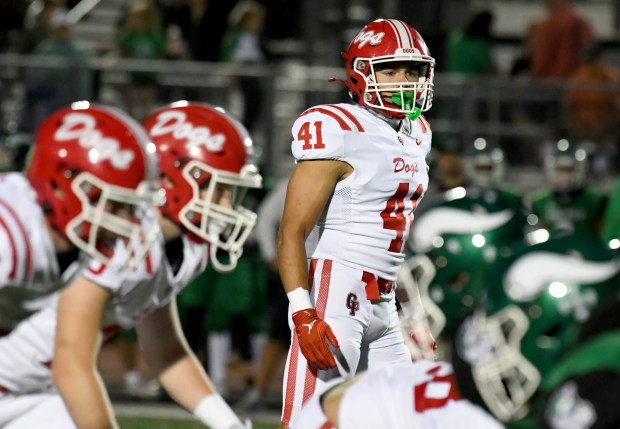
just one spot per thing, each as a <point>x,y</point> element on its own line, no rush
<point>319,132</point>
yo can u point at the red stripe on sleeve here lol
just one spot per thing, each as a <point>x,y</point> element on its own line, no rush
<point>350,116</point>
<point>22,229</point>
<point>341,122</point>
<point>13,248</point>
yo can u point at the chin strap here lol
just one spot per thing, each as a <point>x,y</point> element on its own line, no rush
<point>220,266</point>
<point>215,229</point>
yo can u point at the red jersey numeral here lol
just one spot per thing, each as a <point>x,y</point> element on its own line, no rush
<point>444,385</point>
<point>306,136</point>
<point>394,217</point>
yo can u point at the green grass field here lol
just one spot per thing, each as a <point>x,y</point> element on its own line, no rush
<point>163,423</point>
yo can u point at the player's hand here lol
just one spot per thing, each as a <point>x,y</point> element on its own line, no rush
<point>424,345</point>
<point>313,334</point>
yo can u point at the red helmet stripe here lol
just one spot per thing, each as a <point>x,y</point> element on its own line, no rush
<point>405,40</point>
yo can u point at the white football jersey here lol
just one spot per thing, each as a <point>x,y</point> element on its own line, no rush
<point>421,395</point>
<point>28,266</point>
<point>27,352</point>
<point>367,221</point>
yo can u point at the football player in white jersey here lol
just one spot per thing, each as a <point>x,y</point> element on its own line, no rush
<point>361,171</point>
<point>206,160</point>
<point>89,166</point>
<point>418,395</point>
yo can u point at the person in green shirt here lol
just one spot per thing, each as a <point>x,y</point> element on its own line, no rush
<point>469,51</point>
<point>611,221</point>
<point>569,205</point>
<point>50,88</point>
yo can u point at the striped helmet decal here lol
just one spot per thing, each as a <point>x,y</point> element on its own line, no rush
<point>403,35</point>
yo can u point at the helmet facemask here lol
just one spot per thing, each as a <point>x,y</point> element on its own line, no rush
<point>491,345</point>
<point>407,99</point>
<point>220,220</point>
<point>109,213</point>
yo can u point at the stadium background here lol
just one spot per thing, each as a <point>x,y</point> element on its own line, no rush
<point>302,41</point>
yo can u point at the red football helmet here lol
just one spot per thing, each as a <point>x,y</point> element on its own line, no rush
<point>87,163</point>
<point>201,151</point>
<point>387,41</point>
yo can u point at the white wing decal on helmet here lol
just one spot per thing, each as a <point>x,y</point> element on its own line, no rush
<point>529,275</point>
<point>447,220</point>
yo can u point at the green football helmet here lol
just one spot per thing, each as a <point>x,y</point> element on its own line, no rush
<point>566,166</point>
<point>538,299</point>
<point>484,164</point>
<point>454,244</point>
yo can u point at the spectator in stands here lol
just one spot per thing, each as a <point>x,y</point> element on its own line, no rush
<point>12,14</point>
<point>521,66</point>
<point>559,41</point>
<point>242,45</point>
<point>593,101</point>
<point>141,37</point>
<point>36,24</point>
<point>50,88</point>
<point>469,51</point>
<point>180,14</point>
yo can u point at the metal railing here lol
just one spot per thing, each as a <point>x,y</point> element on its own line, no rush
<point>517,114</point>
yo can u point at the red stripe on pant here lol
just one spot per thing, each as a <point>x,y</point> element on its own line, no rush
<point>311,371</point>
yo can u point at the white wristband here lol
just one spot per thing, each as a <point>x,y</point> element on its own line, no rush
<point>299,299</point>
<point>214,412</point>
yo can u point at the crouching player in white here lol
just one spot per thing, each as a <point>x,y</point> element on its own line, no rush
<point>206,158</point>
<point>421,395</point>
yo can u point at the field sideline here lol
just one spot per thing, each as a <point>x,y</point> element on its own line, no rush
<point>170,416</point>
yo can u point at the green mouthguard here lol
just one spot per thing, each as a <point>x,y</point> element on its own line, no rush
<point>407,105</point>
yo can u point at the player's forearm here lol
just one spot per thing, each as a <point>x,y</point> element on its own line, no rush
<point>292,260</point>
<point>190,387</point>
<point>186,382</point>
<point>84,395</point>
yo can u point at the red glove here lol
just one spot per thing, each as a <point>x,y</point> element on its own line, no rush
<point>312,332</point>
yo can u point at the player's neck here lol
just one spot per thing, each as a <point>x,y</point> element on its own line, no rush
<point>169,229</point>
<point>60,242</point>
<point>394,123</point>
